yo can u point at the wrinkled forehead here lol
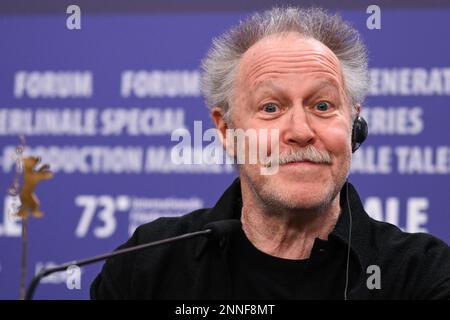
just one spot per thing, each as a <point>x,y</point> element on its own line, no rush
<point>288,53</point>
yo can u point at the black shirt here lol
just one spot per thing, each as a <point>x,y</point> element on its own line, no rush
<point>257,275</point>
<point>412,266</point>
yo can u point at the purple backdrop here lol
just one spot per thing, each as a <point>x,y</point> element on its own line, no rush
<point>99,105</point>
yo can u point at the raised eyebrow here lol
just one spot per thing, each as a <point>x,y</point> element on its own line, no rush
<point>327,83</point>
<point>318,89</point>
<point>324,85</point>
<point>266,84</point>
<point>267,87</point>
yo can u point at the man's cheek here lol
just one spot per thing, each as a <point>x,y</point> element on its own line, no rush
<point>337,139</point>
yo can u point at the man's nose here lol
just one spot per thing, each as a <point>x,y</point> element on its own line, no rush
<point>297,127</point>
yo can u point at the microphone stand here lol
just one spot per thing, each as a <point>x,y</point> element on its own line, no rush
<point>47,271</point>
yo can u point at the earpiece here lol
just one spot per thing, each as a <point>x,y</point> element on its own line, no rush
<point>359,132</point>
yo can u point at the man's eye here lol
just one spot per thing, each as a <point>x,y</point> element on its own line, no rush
<point>270,108</point>
<point>322,106</point>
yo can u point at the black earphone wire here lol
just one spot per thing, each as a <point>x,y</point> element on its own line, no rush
<point>349,242</point>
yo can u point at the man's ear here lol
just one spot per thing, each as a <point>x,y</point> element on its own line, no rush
<point>222,126</point>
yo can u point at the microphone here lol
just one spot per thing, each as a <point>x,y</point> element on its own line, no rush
<point>214,230</point>
<point>223,227</point>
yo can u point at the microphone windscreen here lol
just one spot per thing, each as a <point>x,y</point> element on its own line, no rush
<point>223,227</point>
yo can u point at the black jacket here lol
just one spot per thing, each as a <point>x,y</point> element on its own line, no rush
<point>412,266</point>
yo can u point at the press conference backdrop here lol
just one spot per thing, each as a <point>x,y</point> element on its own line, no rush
<point>99,105</point>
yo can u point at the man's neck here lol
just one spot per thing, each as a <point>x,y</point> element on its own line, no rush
<point>289,234</point>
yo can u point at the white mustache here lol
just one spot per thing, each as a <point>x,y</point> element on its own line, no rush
<point>308,153</point>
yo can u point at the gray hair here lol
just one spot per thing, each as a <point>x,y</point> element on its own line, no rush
<point>220,64</point>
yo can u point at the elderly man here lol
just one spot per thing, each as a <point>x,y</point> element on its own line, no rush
<point>305,234</point>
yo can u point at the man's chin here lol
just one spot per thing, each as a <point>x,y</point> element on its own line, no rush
<point>300,198</point>
<point>300,184</point>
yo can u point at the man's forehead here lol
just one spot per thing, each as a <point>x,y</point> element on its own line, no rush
<point>318,82</point>
<point>290,51</point>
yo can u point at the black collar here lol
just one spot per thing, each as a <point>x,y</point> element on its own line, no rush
<point>361,224</point>
<point>229,206</point>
